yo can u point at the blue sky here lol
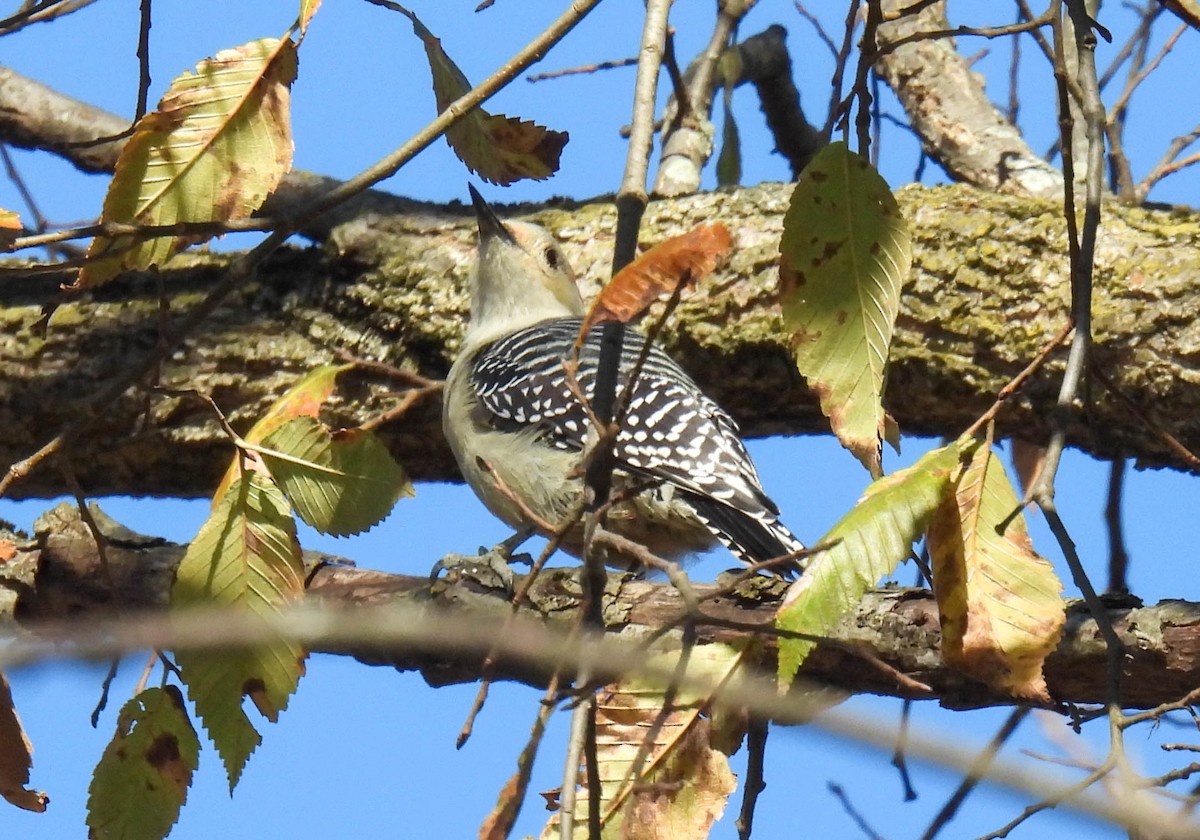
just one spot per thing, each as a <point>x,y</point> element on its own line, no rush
<point>366,752</point>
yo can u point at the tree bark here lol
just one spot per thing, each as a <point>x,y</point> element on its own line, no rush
<point>949,110</point>
<point>57,575</point>
<point>988,288</point>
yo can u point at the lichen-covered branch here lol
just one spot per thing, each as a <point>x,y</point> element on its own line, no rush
<point>989,287</point>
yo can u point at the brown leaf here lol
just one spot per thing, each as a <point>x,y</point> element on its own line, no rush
<point>8,550</point>
<point>498,824</point>
<point>16,756</point>
<point>680,259</point>
<point>1028,460</point>
<point>497,148</point>
<point>999,603</point>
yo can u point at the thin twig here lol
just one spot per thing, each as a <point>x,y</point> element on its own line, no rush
<point>587,68</point>
<point>1118,557</point>
<point>840,794</point>
<point>1081,242</point>
<point>818,28</point>
<point>143,55</point>
<point>1172,442</point>
<point>899,761</point>
<point>514,791</point>
<point>836,102</point>
<point>756,750</point>
<point>631,204</point>
<point>975,775</point>
<point>1019,380</point>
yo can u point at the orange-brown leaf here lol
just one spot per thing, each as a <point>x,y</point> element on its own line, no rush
<point>680,259</point>
<point>16,756</point>
<point>10,228</point>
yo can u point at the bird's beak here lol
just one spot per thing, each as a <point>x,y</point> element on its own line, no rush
<point>489,223</point>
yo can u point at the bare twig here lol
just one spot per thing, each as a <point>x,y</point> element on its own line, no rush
<point>838,105</point>
<point>40,12</point>
<point>143,55</point>
<point>631,204</point>
<point>587,68</point>
<point>899,761</point>
<point>756,750</point>
<point>986,756</point>
<point>840,794</point>
<point>1118,557</point>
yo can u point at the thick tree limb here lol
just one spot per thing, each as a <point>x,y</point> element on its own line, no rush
<point>57,575</point>
<point>988,288</point>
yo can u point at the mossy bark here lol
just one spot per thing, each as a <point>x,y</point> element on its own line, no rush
<point>988,288</point>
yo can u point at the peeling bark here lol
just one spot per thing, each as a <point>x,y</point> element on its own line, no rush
<point>949,109</point>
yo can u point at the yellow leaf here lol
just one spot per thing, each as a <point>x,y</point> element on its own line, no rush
<point>217,145</point>
<point>308,8</point>
<point>1001,604</point>
<point>497,148</point>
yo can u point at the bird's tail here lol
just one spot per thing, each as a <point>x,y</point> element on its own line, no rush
<point>752,539</point>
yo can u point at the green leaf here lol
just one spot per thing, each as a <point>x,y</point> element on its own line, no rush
<point>245,557</point>
<point>143,777</point>
<point>497,148</point>
<point>844,254</point>
<point>303,399</point>
<point>867,544</point>
<point>1001,605</point>
<point>341,483</point>
<point>729,162</point>
<point>217,145</point>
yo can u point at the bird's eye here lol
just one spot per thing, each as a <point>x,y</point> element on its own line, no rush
<point>551,256</point>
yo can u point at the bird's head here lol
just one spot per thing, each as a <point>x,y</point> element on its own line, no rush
<point>521,276</point>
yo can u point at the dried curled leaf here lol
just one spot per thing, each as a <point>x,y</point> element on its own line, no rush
<point>678,784</point>
<point>497,148</point>
<point>16,756</point>
<point>1001,605</point>
<point>680,259</point>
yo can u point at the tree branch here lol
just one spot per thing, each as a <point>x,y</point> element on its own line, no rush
<point>57,576</point>
<point>988,289</point>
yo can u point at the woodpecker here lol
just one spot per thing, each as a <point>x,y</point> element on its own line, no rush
<point>509,413</point>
